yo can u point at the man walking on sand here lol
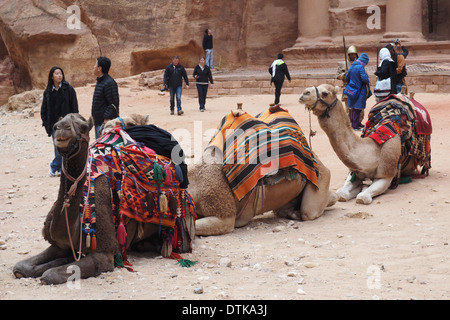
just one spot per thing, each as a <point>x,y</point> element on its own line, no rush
<point>173,80</point>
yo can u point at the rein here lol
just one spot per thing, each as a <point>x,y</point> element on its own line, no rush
<point>71,193</point>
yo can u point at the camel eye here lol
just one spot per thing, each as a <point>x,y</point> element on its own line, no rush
<point>325,94</point>
<point>306,93</point>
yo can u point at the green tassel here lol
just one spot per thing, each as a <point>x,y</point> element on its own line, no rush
<point>353,178</point>
<point>185,263</point>
<point>405,180</point>
<point>158,174</point>
<point>118,260</point>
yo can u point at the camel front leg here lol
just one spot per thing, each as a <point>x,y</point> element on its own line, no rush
<point>35,266</point>
<point>91,265</point>
<point>212,226</point>
<point>351,188</point>
<point>378,186</point>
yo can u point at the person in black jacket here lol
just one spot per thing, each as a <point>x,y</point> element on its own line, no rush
<point>279,70</point>
<point>386,70</point>
<point>173,80</point>
<point>105,103</point>
<point>59,100</point>
<point>208,47</point>
<point>203,75</point>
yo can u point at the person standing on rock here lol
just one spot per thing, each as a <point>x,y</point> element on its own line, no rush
<point>105,103</point>
<point>279,71</point>
<point>59,100</point>
<point>203,75</point>
<point>173,80</point>
<point>208,47</point>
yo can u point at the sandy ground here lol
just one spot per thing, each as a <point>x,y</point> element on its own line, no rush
<point>395,248</point>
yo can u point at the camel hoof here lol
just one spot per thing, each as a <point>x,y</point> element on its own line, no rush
<point>18,275</point>
<point>332,199</point>
<point>363,199</point>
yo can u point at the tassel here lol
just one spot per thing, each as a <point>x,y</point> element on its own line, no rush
<point>163,202</point>
<point>94,242</point>
<point>185,263</point>
<point>168,179</point>
<point>179,173</point>
<point>157,172</point>
<point>88,240</point>
<point>122,234</point>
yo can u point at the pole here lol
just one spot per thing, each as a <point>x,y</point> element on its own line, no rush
<point>345,53</point>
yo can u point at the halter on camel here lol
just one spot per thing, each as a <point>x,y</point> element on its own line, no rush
<point>82,137</point>
<point>326,113</point>
<point>328,105</point>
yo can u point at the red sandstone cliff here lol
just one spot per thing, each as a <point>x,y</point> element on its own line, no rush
<point>137,35</point>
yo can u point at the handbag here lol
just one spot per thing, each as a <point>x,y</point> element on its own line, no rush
<point>352,90</point>
<point>382,88</point>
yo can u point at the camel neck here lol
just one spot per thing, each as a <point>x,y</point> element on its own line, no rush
<point>341,135</point>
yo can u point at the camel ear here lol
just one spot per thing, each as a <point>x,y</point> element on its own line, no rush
<point>336,90</point>
<point>90,123</point>
<point>147,119</point>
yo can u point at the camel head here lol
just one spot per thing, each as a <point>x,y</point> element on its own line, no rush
<point>70,131</point>
<point>126,122</point>
<point>320,99</point>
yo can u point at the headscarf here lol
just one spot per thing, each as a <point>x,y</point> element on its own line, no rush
<point>385,55</point>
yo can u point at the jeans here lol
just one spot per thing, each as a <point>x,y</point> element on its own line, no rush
<point>56,163</point>
<point>209,58</point>
<point>97,132</point>
<point>175,91</point>
<point>202,90</point>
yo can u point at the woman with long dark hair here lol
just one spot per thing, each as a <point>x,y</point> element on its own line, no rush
<point>203,75</point>
<point>59,100</point>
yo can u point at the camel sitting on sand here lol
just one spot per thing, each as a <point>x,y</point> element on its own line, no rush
<point>289,196</point>
<point>364,157</point>
<point>71,243</point>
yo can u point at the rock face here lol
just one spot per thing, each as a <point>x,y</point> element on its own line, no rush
<point>136,35</point>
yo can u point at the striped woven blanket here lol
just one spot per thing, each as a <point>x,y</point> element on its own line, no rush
<point>255,147</point>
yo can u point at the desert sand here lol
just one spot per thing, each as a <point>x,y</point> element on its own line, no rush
<point>395,248</point>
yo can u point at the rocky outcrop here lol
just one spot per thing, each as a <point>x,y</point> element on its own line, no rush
<point>138,35</point>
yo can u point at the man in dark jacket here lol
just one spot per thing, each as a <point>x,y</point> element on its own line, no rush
<point>173,80</point>
<point>208,47</point>
<point>279,70</point>
<point>105,103</point>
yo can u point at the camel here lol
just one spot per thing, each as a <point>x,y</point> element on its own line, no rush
<point>219,211</point>
<point>364,157</point>
<point>62,227</point>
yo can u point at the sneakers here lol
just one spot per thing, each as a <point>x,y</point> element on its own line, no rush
<point>54,173</point>
<point>180,112</point>
<point>172,113</point>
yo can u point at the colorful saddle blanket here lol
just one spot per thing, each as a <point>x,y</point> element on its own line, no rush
<point>399,115</point>
<point>144,185</point>
<point>255,147</point>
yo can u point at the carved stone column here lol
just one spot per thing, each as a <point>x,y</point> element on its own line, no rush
<point>313,22</point>
<point>404,20</point>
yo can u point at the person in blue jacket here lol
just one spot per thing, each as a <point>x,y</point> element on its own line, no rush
<point>358,82</point>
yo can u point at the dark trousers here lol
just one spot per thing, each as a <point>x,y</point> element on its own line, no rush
<point>354,117</point>
<point>278,86</point>
<point>202,90</point>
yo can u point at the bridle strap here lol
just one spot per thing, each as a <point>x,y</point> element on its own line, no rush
<point>328,105</point>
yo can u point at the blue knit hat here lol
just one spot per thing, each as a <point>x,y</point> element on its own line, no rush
<point>364,58</point>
